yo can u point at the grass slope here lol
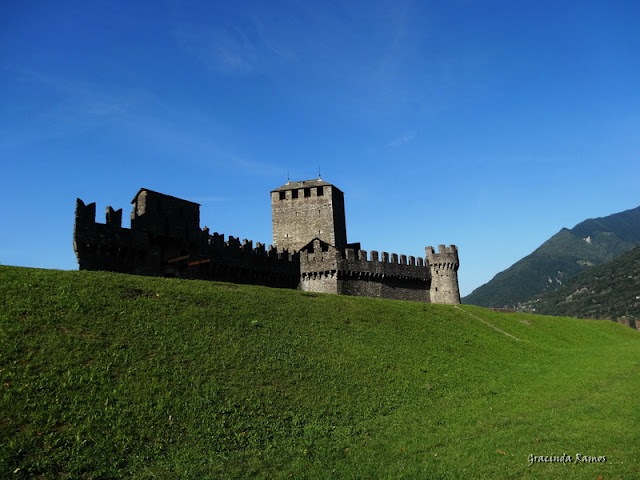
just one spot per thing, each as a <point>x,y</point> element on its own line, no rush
<point>114,376</point>
<point>567,253</point>
<point>610,290</point>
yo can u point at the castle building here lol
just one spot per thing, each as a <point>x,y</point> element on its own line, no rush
<point>310,251</point>
<point>305,210</point>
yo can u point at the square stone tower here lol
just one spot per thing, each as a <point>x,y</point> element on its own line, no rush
<point>302,211</point>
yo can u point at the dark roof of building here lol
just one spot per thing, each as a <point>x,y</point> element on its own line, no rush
<point>318,182</point>
<point>161,194</point>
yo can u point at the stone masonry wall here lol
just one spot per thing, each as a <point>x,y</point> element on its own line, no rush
<point>319,270</point>
<point>165,215</point>
<point>305,210</point>
<point>240,262</point>
<point>444,274</point>
<point>165,239</point>
<point>352,273</point>
<point>196,254</point>
<point>107,246</point>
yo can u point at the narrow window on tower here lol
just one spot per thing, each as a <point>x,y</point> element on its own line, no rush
<point>307,192</point>
<point>283,195</point>
<point>294,193</point>
<point>320,191</point>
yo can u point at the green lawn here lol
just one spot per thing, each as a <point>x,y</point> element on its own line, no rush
<point>114,376</point>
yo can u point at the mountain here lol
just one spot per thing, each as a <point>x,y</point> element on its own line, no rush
<point>567,253</point>
<point>610,290</point>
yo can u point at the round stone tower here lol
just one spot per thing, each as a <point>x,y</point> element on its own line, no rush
<point>444,274</point>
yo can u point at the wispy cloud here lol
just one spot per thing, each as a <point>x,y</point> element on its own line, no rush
<point>66,107</point>
<point>271,41</point>
<point>195,138</point>
<point>401,140</point>
<point>79,108</point>
<point>396,45</point>
<point>219,48</point>
<point>232,49</point>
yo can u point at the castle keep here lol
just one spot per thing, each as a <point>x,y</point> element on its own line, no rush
<point>305,210</point>
<point>309,252</point>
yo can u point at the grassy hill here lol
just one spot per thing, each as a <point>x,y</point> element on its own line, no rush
<point>567,253</point>
<point>113,376</point>
<point>610,290</point>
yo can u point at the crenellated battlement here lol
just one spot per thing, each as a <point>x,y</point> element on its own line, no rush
<point>165,240</point>
<point>233,246</point>
<point>309,252</point>
<point>358,272</point>
<point>86,215</point>
<point>444,277</point>
<point>374,256</point>
<point>447,257</point>
<point>307,209</point>
<point>105,246</point>
<point>350,260</point>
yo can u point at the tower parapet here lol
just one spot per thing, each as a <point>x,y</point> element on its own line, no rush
<point>305,210</point>
<point>326,269</point>
<point>106,246</point>
<point>444,274</point>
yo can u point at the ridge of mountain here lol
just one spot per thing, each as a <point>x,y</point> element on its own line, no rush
<point>570,251</point>
<point>609,290</point>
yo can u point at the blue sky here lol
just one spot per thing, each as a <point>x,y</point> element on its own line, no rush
<point>487,124</point>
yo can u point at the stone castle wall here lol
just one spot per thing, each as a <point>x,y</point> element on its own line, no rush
<point>107,246</point>
<point>146,251</point>
<point>164,215</point>
<point>354,273</point>
<point>240,262</point>
<point>305,210</point>
<point>165,239</point>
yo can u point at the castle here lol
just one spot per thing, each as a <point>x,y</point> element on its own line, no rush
<point>309,252</point>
